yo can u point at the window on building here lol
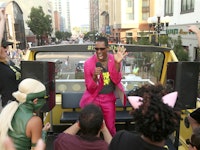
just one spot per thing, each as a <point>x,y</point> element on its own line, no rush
<point>169,7</point>
<point>129,16</point>
<point>145,9</point>
<point>187,6</point>
<point>129,37</point>
<point>129,34</point>
<point>145,16</point>
<point>130,13</point>
<point>129,3</point>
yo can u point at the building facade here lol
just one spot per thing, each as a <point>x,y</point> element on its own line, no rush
<point>14,26</point>
<point>94,15</point>
<point>183,14</point>
<point>123,21</point>
<point>25,8</point>
<point>63,8</point>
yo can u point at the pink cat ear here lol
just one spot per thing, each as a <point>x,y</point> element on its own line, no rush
<point>170,98</point>
<point>135,101</point>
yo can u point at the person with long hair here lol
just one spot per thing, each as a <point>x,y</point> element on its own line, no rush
<point>10,74</point>
<point>18,118</point>
<point>2,22</point>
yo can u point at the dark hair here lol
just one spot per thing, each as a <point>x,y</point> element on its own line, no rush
<point>196,115</point>
<point>102,39</point>
<point>154,119</point>
<point>90,119</point>
<point>5,43</point>
<point>195,138</point>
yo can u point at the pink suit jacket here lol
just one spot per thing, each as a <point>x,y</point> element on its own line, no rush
<point>93,88</point>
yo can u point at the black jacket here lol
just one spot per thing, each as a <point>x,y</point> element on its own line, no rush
<point>8,81</point>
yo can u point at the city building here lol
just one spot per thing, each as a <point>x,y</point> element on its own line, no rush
<point>26,8</point>
<point>63,8</point>
<point>183,14</point>
<point>21,12</point>
<point>57,20</point>
<point>14,27</point>
<point>94,15</point>
<point>123,21</point>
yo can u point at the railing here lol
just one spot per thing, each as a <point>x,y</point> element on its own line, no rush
<point>75,85</point>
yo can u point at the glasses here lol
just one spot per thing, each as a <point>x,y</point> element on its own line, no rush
<point>189,143</point>
<point>100,48</point>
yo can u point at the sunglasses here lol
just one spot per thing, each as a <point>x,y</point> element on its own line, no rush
<point>99,48</point>
<point>188,142</point>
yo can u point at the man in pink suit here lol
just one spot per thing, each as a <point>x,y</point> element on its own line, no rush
<point>103,77</point>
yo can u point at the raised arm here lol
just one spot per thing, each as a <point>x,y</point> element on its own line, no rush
<point>106,134</point>
<point>73,129</point>
<point>196,30</point>
<point>2,22</point>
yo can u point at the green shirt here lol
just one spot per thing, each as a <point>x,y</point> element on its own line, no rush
<point>19,122</point>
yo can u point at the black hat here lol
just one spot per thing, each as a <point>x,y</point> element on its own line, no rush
<point>196,115</point>
<point>5,43</point>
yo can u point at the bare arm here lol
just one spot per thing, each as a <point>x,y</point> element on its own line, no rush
<point>106,134</point>
<point>9,145</point>
<point>196,30</point>
<point>73,129</point>
<point>34,129</point>
<point>2,22</point>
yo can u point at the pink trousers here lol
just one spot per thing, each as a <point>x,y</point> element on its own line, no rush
<point>107,104</point>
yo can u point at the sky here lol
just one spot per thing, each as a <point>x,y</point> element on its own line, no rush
<point>79,12</point>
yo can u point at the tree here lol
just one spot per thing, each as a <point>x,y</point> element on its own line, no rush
<point>58,35</point>
<point>67,35</point>
<point>90,35</point>
<point>63,35</point>
<point>39,23</point>
<point>163,39</point>
<point>180,52</point>
<point>143,40</point>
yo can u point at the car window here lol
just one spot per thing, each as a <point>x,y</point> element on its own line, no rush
<point>138,68</point>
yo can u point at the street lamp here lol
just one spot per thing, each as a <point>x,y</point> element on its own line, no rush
<point>158,23</point>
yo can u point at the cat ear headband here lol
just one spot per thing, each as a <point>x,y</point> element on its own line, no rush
<point>169,99</point>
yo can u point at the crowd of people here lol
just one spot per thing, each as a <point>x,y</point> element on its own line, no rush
<point>155,119</point>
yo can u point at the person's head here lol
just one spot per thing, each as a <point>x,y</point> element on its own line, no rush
<point>4,50</point>
<point>154,119</point>
<point>194,143</point>
<point>101,47</point>
<point>194,119</point>
<point>32,92</point>
<point>90,120</point>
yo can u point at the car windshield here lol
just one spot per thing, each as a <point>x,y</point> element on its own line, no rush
<point>138,68</point>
